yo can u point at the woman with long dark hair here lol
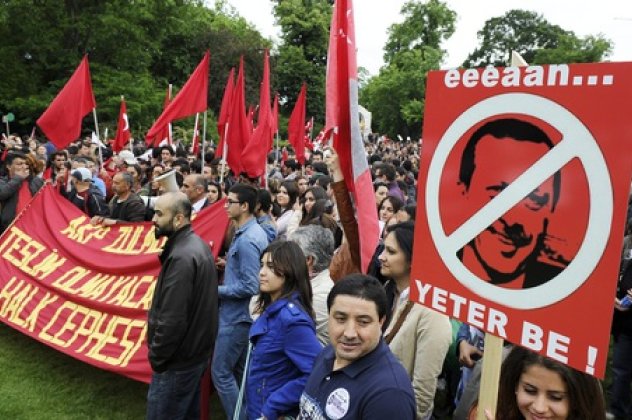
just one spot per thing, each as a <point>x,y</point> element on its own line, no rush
<point>418,336</point>
<point>286,199</point>
<point>284,343</point>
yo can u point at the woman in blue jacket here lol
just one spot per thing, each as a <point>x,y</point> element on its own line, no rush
<point>284,343</point>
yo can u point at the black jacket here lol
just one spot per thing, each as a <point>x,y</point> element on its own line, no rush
<point>92,202</point>
<point>9,192</point>
<point>183,318</point>
<point>130,210</point>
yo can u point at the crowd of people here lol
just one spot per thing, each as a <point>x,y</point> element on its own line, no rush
<point>292,326</point>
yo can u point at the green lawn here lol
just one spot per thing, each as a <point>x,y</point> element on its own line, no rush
<point>37,382</point>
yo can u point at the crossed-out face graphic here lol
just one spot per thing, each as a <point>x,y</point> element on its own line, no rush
<point>506,252</point>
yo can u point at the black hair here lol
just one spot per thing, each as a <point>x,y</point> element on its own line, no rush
<point>404,234</point>
<point>292,191</point>
<point>245,194</point>
<point>264,199</point>
<point>502,129</point>
<point>363,287</point>
<point>289,262</point>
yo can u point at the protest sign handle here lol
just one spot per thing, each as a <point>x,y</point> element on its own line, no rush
<point>488,392</point>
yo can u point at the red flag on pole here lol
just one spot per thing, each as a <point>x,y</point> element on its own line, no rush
<point>225,112</point>
<point>238,133</point>
<point>296,125</point>
<point>254,155</point>
<point>122,129</point>
<point>61,122</point>
<point>343,122</point>
<point>192,98</point>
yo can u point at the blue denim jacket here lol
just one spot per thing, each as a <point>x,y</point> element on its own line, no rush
<point>284,349</point>
<point>241,275</point>
<point>268,226</point>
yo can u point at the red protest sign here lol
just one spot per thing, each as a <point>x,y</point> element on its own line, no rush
<point>522,197</point>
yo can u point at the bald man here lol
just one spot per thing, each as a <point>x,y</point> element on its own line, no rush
<point>183,318</point>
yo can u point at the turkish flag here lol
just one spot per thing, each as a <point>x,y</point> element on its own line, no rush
<point>296,125</point>
<point>238,132</point>
<point>224,112</point>
<point>61,122</point>
<point>342,120</point>
<point>191,99</point>
<point>122,129</point>
<point>254,155</point>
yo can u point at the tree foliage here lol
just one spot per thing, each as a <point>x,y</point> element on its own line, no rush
<point>135,48</point>
<point>396,96</point>
<point>302,54</point>
<point>535,39</point>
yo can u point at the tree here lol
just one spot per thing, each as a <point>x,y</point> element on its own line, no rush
<point>396,95</point>
<point>537,41</point>
<point>302,54</point>
<point>135,49</point>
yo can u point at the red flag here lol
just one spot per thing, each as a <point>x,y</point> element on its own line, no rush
<point>122,129</point>
<point>61,122</point>
<point>225,112</point>
<point>251,117</point>
<point>195,143</point>
<point>296,126</point>
<point>238,132</point>
<point>254,155</point>
<point>191,99</point>
<point>342,120</point>
<point>275,114</point>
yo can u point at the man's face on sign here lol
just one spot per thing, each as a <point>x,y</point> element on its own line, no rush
<point>505,246</point>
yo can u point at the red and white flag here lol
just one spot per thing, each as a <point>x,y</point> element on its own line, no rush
<point>122,129</point>
<point>61,122</point>
<point>343,123</point>
<point>192,98</point>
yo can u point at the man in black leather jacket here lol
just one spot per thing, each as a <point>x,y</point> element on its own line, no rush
<point>183,318</point>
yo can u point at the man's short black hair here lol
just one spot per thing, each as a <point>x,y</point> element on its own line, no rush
<point>12,155</point>
<point>171,152</point>
<point>320,167</point>
<point>387,170</point>
<point>264,198</point>
<point>500,129</point>
<point>363,287</point>
<point>245,194</point>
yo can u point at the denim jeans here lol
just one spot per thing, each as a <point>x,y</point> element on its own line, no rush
<point>175,394</point>
<point>227,368</point>
<point>621,377</point>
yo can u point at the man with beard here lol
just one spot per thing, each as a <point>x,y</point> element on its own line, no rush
<point>182,321</point>
<point>508,253</point>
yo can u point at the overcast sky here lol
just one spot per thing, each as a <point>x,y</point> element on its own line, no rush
<point>612,18</point>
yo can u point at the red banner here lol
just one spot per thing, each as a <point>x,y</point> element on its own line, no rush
<point>85,290</point>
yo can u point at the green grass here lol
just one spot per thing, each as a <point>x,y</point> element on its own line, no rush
<point>37,382</point>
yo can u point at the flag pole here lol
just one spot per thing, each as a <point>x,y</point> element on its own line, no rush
<point>96,128</point>
<point>203,140</point>
<point>224,156</point>
<point>131,141</point>
<point>170,135</point>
